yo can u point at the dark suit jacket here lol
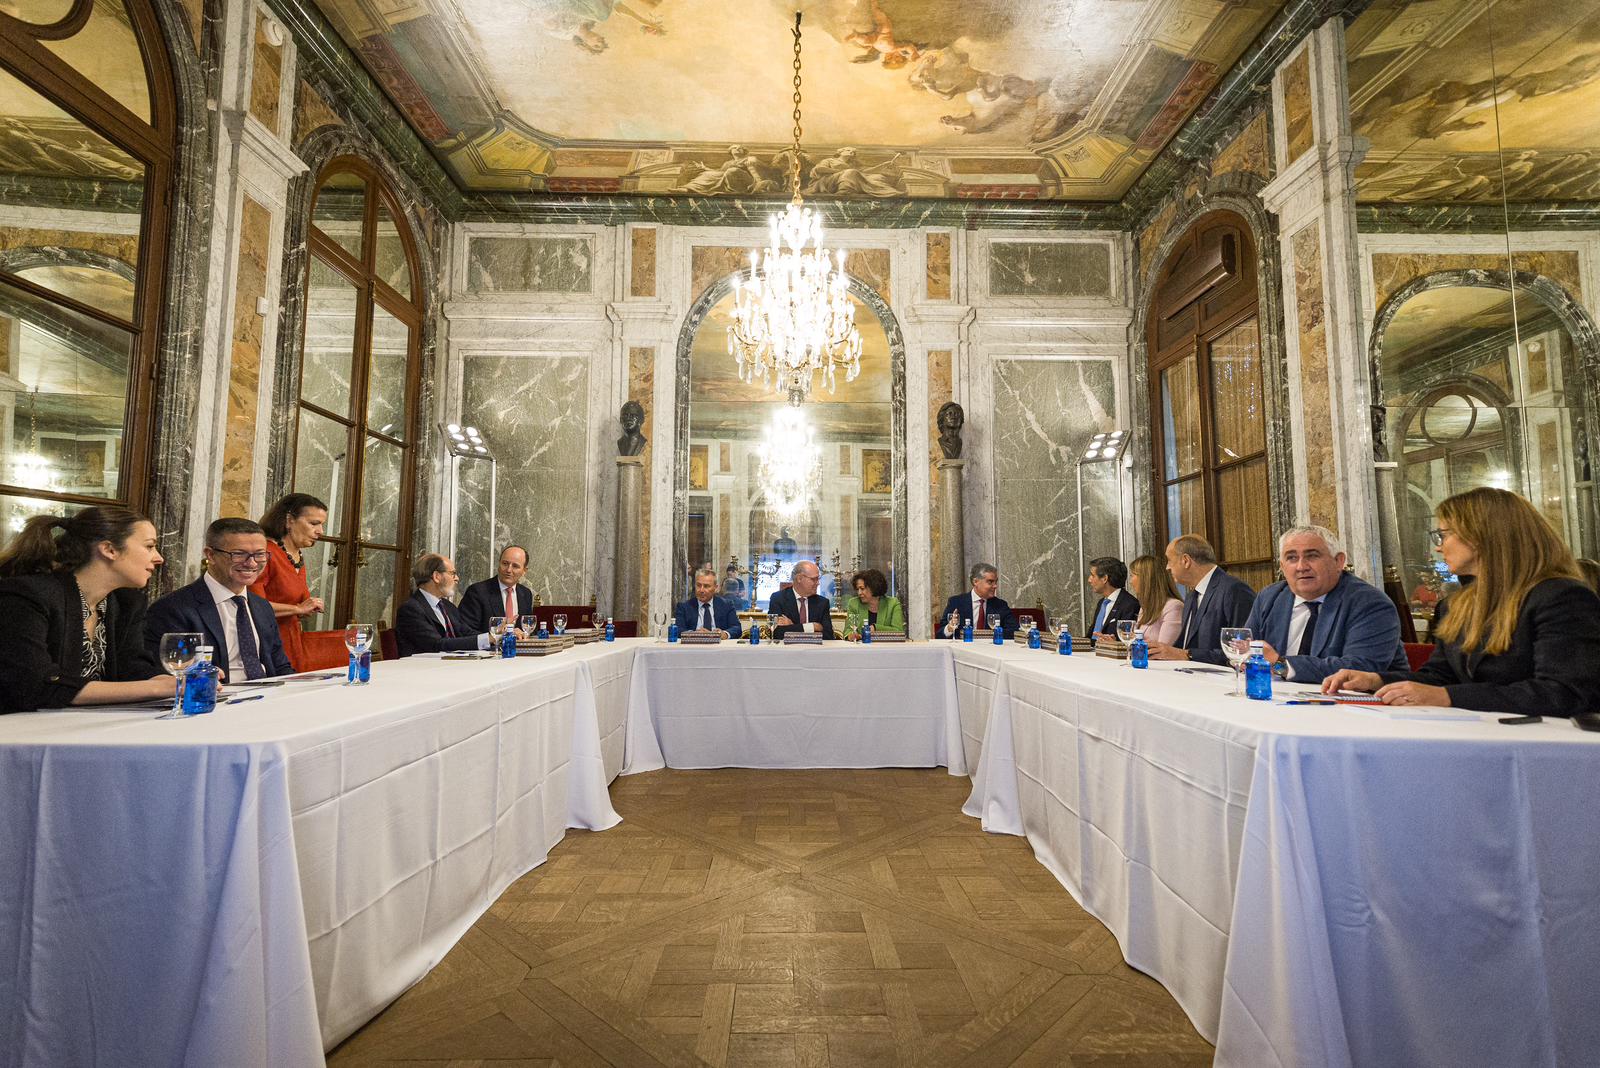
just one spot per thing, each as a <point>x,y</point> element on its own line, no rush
<point>993,609</point>
<point>1357,627</point>
<point>483,601</point>
<point>41,642</point>
<point>723,616</point>
<point>192,609</point>
<point>818,610</point>
<point>1127,607</point>
<point>1551,669</point>
<point>1227,603</point>
<point>418,630</point>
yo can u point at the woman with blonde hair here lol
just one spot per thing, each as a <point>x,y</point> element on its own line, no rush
<point>1522,635</point>
<point>1160,609</point>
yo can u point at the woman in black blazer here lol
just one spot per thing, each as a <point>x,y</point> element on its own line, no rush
<point>73,607</point>
<point>1522,635</point>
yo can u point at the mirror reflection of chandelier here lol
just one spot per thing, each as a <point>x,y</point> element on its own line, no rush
<point>790,461</point>
<point>793,317</point>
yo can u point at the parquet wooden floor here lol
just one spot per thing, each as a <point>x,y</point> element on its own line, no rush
<point>776,918</point>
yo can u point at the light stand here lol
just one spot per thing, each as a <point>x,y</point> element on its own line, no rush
<point>466,443</point>
<point>1103,448</point>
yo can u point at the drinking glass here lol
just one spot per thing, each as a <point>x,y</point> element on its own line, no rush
<point>658,621</point>
<point>1236,647</point>
<point>179,651</point>
<point>1125,631</point>
<point>358,637</point>
<point>497,627</point>
<point>561,622</point>
<point>529,625</point>
<point>772,624</point>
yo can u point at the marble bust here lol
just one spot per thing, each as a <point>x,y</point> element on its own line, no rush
<point>950,420</point>
<point>632,443</point>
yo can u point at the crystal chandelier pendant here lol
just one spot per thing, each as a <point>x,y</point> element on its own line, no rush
<point>793,319</point>
<point>790,462</point>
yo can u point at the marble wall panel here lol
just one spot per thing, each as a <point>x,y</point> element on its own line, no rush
<point>1151,236</point>
<point>642,388</point>
<point>1316,413</point>
<point>244,375</point>
<point>266,76</point>
<point>1392,270</point>
<point>939,392</point>
<point>194,16</point>
<point>1044,411</point>
<point>533,412</point>
<point>938,267</point>
<point>1250,151</point>
<point>124,247</point>
<point>311,112</point>
<point>1297,105</point>
<point>530,264</point>
<point>642,262</point>
<point>1049,269</point>
<point>871,265</point>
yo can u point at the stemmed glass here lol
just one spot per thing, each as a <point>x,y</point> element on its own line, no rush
<point>772,624</point>
<point>358,639</point>
<point>529,625</point>
<point>1236,647</point>
<point>561,623</point>
<point>497,627</point>
<point>1125,631</point>
<point>1056,625</point>
<point>179,651</point>
<point>658,622</point>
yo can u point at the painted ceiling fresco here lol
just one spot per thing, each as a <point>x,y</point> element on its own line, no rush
<point>1451,91</point>
<point>993,99</point>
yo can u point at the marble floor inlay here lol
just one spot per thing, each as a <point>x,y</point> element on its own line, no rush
<point>795,918</point>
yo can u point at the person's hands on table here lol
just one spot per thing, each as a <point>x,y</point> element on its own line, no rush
<point>1163,651</point>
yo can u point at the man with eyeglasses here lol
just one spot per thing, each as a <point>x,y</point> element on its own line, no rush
<point>238,625</point>
<point>428,621</point>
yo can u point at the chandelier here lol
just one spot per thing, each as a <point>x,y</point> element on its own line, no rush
<point>790,461</point>
<point>793,317</point>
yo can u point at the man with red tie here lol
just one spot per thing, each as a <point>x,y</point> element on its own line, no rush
<point>800,607</point>
<point>979,605</point>
<point>428,622</point>
<point>503,595</point>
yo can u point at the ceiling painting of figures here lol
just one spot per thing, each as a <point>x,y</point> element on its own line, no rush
<point>990,99</point>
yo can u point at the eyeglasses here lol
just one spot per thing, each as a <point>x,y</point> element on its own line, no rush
<point>1436,535</point>
<point>241,556</point>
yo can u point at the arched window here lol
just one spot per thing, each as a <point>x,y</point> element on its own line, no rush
<point>1207,401</point>
<point>87,119</point>
<point>356,436</point>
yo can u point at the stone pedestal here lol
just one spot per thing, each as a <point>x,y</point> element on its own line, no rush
<point>953,553</point>
<point>628,565</point>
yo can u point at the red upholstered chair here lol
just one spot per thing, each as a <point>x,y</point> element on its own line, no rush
<point>625,628</point>
<point>1025,614</point>
<point>388,644</point>
<point>323,649</point>
<point>1417,653</point>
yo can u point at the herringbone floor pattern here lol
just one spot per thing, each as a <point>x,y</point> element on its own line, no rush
<point>771,918</point>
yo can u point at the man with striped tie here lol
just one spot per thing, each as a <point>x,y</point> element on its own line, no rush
<point>428,621</point>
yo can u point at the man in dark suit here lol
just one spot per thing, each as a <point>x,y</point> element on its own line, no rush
<point>705,610</point>
<point>1108,578</point>
<point>1216,599</point>
<point>979,605</point>
<point>503,595</point>
<point>239,626</point>
<point>800,607</point>
<point>427,621</point>
<point>1320,618</point>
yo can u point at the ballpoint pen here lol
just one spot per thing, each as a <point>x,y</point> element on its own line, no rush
<point>242,700</point>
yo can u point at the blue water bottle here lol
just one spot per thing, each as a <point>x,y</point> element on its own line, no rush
<point>966,632</point>
<point>611,630</point>
<point>364,665</point>
<point>1257,674</point>
<point>1064,641</point>
<point>755,632</point>
<point>200,685</point>
<point>672,631</point>
<point>544,632</point>
<point>1035,641</point>
<point>866,633</point>
<point>999,635</point>
<point>508,642</point>
<point>1139,651</point>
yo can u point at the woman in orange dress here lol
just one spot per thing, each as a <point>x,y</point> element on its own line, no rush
<point>293,526</point>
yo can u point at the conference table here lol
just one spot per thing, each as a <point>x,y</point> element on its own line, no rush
<point>1315,886</point>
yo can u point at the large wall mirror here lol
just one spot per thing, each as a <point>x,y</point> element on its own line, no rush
<point>737,508</point>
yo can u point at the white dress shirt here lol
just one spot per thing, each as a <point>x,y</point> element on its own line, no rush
<point>1109,602</point>
<point>1298,617</point>
<point>705,616</point>
<point>438,613</point>
<point>1200,599</point>
<point>230,627</point>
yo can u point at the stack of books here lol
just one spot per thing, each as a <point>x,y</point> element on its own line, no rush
<point>700,637</point>
<point>544,646</point>
<point>795,637</point>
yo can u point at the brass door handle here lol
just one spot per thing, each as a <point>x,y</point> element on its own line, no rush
<point>361,556</point>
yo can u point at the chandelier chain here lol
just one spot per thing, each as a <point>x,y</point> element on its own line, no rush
<point>794,162</point>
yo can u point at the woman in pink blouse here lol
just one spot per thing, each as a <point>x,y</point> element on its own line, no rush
<point>1160,610</point>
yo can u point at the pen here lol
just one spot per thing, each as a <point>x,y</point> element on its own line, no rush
<point>1312,701</point>
<point>242,700</point>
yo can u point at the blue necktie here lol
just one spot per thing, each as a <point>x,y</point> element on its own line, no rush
<point>249,655</point>
<point>1100,617</point>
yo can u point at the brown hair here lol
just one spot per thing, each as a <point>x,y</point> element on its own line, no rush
<point>1591,572</point>
<point>1517,549</point>
<point>427,565</point>
<point>874,579</point>
<point>38,551</point>
<point>1155,588</point>
<point>276,522</point>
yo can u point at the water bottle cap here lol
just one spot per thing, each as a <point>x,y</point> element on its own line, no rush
<point>1257,644</point>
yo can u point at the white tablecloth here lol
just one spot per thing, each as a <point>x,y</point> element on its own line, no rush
<point>1315,886</point>
<point>838,705</point>
<point>249,887</point>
